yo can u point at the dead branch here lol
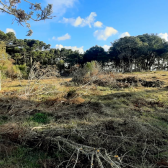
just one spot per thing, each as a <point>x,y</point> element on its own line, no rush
<point>21,16</point>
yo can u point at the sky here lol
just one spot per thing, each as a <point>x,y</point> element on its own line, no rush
<point>82,24</point>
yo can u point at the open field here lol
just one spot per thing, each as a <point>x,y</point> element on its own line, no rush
<point>54,123</point>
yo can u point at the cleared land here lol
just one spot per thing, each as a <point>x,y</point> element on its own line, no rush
<point>53,123</point>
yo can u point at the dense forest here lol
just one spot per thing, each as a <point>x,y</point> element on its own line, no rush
<point>134,53</point>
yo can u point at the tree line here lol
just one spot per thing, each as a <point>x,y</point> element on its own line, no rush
<point>125,54</point>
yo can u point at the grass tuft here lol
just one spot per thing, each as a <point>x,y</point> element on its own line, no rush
<point>40,118</point>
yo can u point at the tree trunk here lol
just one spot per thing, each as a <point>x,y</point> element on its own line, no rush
<point>0,80</point>
<point>24,57</point>
<point>31,61</point>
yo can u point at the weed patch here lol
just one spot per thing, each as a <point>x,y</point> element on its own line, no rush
<point>23,157</point>
<point>3,119</point>
<point>41,118</point>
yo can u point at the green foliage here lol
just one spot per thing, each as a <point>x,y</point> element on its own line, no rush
<point>87,73</point>
<point>24,157</point>
<point>95,53</point>
<point>40,118</point>
<point>60,65</point>
<point>73,58</point>
<point>125,55</point>
<point>8,69</point>
<point>3,119</point>
<point>7,37</point>
<point>92,67</point>
<point>13,72</point>
<point>23,70</point>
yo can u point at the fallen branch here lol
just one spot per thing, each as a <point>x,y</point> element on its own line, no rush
<point>79,149</point>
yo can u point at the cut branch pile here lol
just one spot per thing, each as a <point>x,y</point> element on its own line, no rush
<point>95,155</point>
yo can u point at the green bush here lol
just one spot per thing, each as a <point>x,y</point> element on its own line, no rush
<point>93,68</point>
<point>3,119</point>
<point>87,73</point>
<point>40,118</point>
<point>23,69</point>
<point>26,157</point>
<point>8,69</point>
<point>60,65</point>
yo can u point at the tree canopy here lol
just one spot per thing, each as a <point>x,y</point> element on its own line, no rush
<point>143,52</point>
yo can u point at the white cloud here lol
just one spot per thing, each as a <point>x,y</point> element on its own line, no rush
<point>104,34</point>
<point>106,47</point>
<point>65,37</point>
<point>163,36</point>
<point>74,48</point>
<point>124,35</point>
<point>98,24</point>
<point>60,6</point>
<point>80,21</point>
<point>10,30</point>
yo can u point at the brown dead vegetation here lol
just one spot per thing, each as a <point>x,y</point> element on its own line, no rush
<point>150,103</point>
<point>12,132</point>
<point>90,133</point>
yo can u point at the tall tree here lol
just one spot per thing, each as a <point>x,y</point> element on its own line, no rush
<point>149,50</point>
<point>74,58</point>
<point>95,53</point>
<point>124,51</point>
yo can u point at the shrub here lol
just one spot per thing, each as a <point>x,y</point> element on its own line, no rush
<point>40,118</point>
<point>60,65</point>
<point>8,69</point>
<point>86,74</point>
<point>24,70</point>
<point>93,68</point>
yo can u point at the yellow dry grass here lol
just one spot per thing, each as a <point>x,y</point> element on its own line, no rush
<point>88,91</point>
<point>9,85</point>
<point>151,75</point>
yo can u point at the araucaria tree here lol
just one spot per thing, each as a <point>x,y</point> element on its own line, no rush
<point>35,13</point>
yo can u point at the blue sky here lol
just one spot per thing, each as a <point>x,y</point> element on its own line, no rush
<point>81,24</point>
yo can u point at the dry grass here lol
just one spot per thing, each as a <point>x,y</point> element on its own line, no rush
<point>118,119</point>
<point>152,75</point>
<point>12,131</point>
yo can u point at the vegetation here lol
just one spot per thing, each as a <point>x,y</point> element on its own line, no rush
<point>125,122</point>
<point>40,118</point>
<point>140,53</point>
<point>96,116</point>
